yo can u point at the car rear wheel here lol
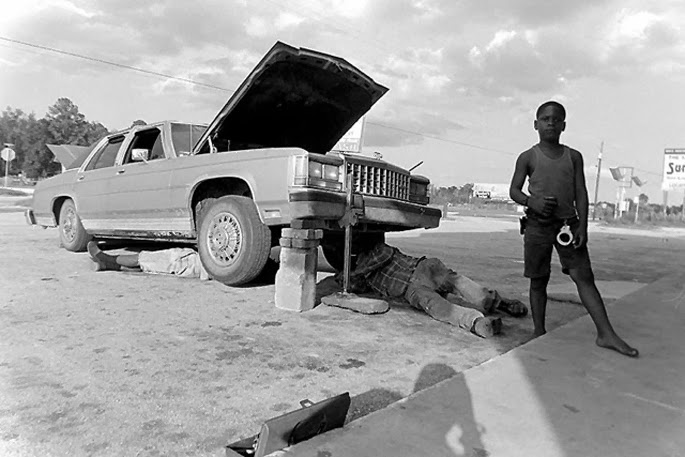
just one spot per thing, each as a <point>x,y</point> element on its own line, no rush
<point>71,232</point>
<point>233,243</point>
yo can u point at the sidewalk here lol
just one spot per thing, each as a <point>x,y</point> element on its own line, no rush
<point>557,396</point>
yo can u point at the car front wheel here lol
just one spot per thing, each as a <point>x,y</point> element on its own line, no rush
<point>71,233</point>
<point>233,243</point>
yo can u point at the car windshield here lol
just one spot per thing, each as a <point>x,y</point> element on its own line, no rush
<point>184,137</point>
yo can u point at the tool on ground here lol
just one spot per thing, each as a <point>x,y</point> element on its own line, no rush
<point>294,427</point>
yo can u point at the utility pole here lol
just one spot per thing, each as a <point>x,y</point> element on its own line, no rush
<point>599,170</point>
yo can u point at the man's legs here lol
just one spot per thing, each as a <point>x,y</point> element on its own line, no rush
<point>424,292</point>
<point>538,303</point>
<point>110,262</point>
<point>592,300</point>
<point>437,307</point>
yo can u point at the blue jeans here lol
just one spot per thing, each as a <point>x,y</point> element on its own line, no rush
<point>432,281</point>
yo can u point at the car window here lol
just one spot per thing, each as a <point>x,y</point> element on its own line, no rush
<point>184,136</point>
<point>150,139</point>
<point>106,156</point>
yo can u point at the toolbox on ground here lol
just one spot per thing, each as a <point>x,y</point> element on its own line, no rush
<point>294,427</point>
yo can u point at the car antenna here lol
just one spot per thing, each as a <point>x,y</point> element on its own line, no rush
<point>416,166</point>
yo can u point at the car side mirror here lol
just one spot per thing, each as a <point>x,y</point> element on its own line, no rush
<point>140,155</point>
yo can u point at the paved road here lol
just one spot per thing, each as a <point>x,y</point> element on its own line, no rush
<point>129,364</point>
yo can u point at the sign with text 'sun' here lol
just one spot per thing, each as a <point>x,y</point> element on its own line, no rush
<point>674,169</point>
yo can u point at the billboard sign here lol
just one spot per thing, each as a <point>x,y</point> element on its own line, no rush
<point>493,191</point>
<point>674,169</point>
<point>352,140</point>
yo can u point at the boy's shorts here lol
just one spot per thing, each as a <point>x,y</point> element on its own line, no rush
<point>538,240</point>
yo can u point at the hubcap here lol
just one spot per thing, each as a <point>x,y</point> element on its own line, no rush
<point>224,238</point>
<point>69,225</point>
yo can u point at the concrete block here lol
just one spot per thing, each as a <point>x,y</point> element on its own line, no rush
<point>307,224</point>
<point>302,234</point>
<point>304,244</point>
<point>296,279</point>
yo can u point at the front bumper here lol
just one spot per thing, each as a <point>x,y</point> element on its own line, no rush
<point>30,218</point>
<point>315,204</point>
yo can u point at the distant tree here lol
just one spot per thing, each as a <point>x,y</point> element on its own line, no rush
<point>465,192</point>
<point>66,125</point>
<point>24,131</point>
<point>63,124</point>
<point>138,122</point>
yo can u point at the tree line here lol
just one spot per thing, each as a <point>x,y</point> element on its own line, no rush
<point>28,135</point>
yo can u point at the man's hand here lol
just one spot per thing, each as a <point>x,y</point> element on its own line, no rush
<point>542,206</point>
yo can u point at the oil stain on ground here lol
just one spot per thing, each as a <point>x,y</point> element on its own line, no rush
<point>352,363</point>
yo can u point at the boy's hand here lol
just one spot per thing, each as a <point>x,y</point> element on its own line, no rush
<point>580,237</point>
<point>544,207</point>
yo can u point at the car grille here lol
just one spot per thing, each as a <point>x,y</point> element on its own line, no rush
<point>373,180</point>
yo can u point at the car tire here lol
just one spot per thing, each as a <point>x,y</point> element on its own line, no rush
<point>333,246</point>
<point>72,235</point>
<point>232,241</point>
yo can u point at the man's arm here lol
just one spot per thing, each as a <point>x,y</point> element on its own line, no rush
<point>582,200</point>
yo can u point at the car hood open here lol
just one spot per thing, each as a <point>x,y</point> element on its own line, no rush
<point>294,98</point>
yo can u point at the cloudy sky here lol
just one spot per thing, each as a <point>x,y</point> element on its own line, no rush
<point>465,77</point>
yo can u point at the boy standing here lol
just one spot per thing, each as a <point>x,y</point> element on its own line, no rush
<point>558,201</point>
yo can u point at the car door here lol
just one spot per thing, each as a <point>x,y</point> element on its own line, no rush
<point>139,190</point>
<point>91,190</point>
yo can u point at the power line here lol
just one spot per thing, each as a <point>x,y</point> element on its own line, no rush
<point>190,81</point>
<point>115,64</point>
<point>446,140</point>
<point>223,89</point>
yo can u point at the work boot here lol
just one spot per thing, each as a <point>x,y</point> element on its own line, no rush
<point>486,327</point>
<point>102,261</point>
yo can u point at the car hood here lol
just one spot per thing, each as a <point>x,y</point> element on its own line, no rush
<point>294,98</point>
<point>70,155</point>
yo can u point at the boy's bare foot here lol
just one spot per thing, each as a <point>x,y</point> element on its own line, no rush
<point>617,344</point>
<point>485,327</point>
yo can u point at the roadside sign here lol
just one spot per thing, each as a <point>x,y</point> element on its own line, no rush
<point>8,154</point>
<point>674,169</point>
<point>352,140</point>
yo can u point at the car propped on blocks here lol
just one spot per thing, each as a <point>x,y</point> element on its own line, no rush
<point>230,186</point>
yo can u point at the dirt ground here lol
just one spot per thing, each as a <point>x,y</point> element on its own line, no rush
<point>114,363</point>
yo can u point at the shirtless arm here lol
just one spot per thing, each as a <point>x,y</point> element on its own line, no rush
<point>540,206</point>
<point>519,178</point>
<point>582,200</point>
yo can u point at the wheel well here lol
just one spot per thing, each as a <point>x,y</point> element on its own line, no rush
<point>57,207</point>
<point>215,188</point>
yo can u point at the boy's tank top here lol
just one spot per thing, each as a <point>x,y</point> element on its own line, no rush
<point>555,178</point>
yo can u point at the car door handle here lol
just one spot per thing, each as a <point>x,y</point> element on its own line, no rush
<point>121,172</point>
<point>81,178</point>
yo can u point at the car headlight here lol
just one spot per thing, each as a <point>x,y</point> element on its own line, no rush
<point>331,172</point>
<point>418,189</point>
<point>317,171</point>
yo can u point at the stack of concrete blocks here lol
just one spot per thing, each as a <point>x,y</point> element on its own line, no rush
<point>296,276</point>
